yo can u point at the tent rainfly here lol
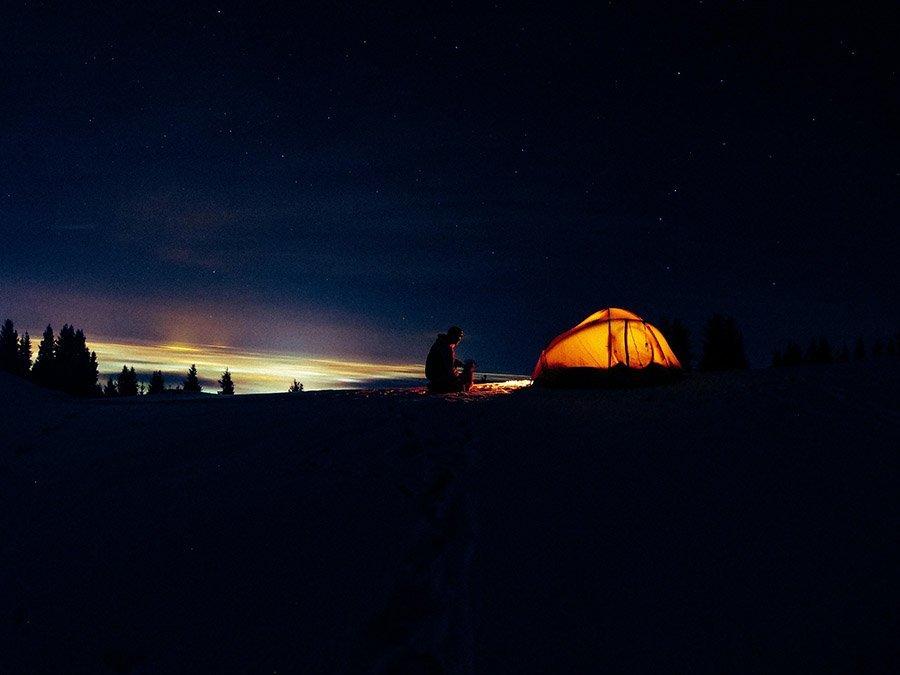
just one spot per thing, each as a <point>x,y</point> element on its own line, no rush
<point>611,341</point>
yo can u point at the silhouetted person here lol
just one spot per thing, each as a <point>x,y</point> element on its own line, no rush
<point>441,364</point>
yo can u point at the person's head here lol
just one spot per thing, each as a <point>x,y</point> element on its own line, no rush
<point>454,334</point>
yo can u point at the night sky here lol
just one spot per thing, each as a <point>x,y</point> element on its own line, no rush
<point>346,182</point>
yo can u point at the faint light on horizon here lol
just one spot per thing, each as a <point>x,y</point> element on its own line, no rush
<point>253,372</point>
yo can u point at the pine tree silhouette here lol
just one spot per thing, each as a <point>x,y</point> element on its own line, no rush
<point>811,352</point>
<point>25,355</point>
<point>92,375</point>
<point>793,354</point>
<point>859,352</point>
<point>43,372</point>
<point>825,355</point>
<point>723,345</point>
<point>64,355</point>
<point>85,367</point>
<point>819,352</point>
<point>128,385</point>
<point>295,388</point>
<point>157,384</point>
<point>226,384</point>
<point>679,339</point>
<point>75,367</point>
<point>111,389</point>
<point>9,348</point>
<point>192,383</point>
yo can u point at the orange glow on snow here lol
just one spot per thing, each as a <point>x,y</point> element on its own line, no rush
<point>504,387</point>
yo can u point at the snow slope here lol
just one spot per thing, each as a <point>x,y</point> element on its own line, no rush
<point>732,522</point>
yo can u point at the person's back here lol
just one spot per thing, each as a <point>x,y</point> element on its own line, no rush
<point>441,357</point>
<point>441,364</point>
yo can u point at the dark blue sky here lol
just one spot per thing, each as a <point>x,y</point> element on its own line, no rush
<point>348,181</point>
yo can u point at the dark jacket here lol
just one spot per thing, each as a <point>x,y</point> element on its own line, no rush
<point>441,362</point>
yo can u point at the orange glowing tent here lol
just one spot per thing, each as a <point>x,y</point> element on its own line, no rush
<point>610,345</point>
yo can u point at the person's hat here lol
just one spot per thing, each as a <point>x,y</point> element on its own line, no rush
<point>454,331</point>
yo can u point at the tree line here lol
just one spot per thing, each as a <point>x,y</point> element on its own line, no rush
<point>723,347</point>
<point>819,351</point>
<point>65,363</point>
<point>128,384</point>
<point>722,344</point>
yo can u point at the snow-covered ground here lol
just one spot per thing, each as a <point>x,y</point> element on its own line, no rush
<point>743,521</point>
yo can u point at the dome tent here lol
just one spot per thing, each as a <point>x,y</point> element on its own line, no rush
<point>610,346</point>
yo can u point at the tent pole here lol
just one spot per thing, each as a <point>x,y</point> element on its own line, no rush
<point>627,356</point>
<point>608,345</point>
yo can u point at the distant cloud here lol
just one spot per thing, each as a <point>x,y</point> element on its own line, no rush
<point>247,321</point>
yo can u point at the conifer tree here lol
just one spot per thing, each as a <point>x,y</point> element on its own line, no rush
<point>192,383</point>
<point>87,367</point>
<point>825,355</point>
<point>9,348</point>
<point>157,383</point>
<point>111,389</point>
<point>295,388</point>
<point>811,352</point>
<point>66,359</point>
<point>679,339</point>
<point>128,385</point>
<point>25,355</point>
<point>75,367</point>
<point>226,384</point>
<point>95,372</point>
<point>859,353</point>
<point>723,345</point>
<point>43,372</point>
<point>819,352</point>
<point>793,354</point>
